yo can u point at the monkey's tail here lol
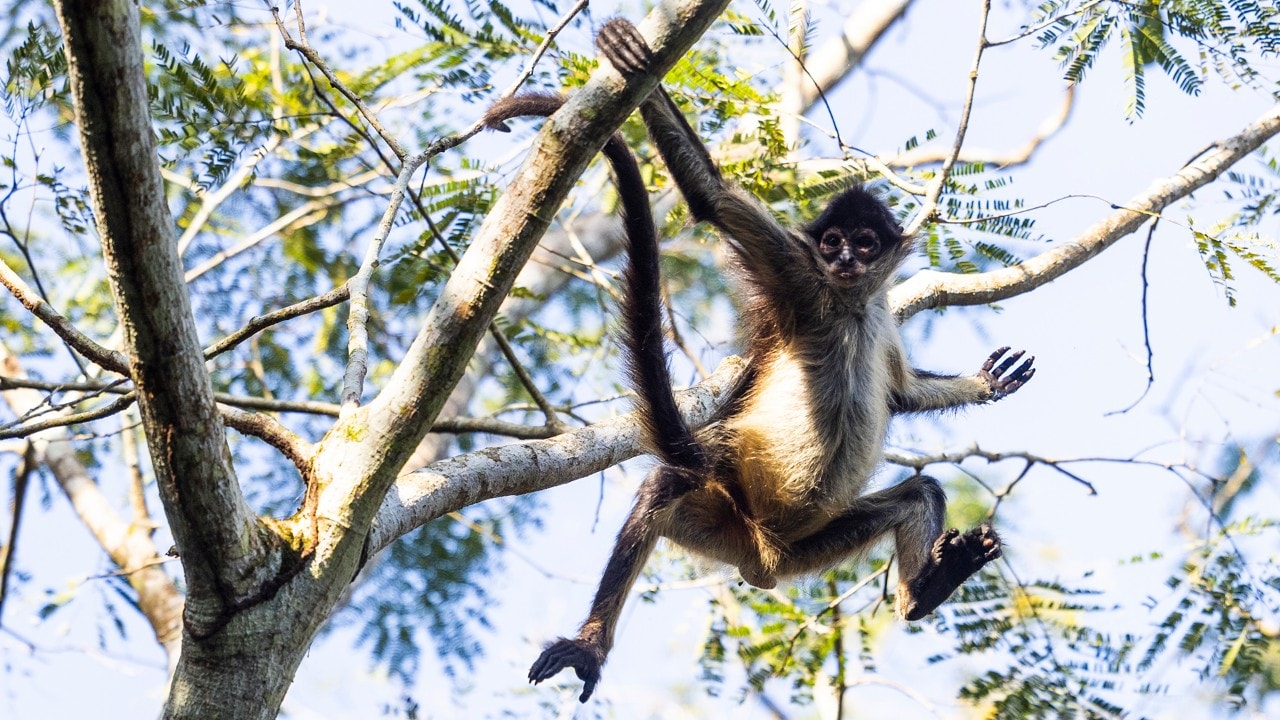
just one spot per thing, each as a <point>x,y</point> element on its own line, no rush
<point>667,432</point>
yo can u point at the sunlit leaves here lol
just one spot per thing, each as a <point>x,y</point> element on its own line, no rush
<point>1185,39</point>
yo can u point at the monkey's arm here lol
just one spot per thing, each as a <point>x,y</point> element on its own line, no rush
<point>921,391</point>
<point>760,239</point>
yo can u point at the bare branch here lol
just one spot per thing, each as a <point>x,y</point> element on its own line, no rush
<point>370,447</point>
<point>128,544</point>
<point>223,545</point>
<point>108,359</point>
<point>66,420</point>
<point>532,63</point>
<point>930,289</point>
<point>265,428</point>
<point>929,207</point>
<point>262,322</point>
<point>442,487</point>
<point>358,284</point>
<point>303,47</point>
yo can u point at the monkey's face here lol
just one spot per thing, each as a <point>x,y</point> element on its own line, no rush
<point>849,253</point>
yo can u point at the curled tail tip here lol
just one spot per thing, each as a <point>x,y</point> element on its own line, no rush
<point>531,104</point>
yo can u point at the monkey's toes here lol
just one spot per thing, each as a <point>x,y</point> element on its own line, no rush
<point>624,47</point>
<point>984,544</point>
<point>939,549</point>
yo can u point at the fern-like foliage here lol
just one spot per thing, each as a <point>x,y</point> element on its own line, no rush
<point>1227,37</point>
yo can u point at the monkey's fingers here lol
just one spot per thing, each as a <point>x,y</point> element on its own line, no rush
<point>1020,377</point>
<point>994,357</point>
<point>1008,363</point>
<point>624,47</point>
<point>565,653</point>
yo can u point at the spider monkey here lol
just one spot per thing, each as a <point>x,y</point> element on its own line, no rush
<point>773,485</point>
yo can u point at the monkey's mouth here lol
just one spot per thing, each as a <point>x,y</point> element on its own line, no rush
<point>847,275</point>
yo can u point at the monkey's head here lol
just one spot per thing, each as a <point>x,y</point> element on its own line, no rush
<point>858,241</point>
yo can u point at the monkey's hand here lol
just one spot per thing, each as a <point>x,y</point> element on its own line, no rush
<point>624,47</point>
<point>1002,386</point>
<point>584,657</point>
<point>953,558</point>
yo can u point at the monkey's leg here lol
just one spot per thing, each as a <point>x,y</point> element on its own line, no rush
<point>931,563</point>
<point>586,653</point>
<point>952,559</point>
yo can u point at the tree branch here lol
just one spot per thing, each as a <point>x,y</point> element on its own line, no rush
<point>223,546</point>
<point>442,487</point>
<point>61,326</point>
<point>128,544</point>
<point>929,207</point>
<point>930,289</point>
<point>369,447</point>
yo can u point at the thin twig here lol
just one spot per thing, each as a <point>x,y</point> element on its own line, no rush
<point>543,47</point>
<point>112,360</point>
<point>261,322</point>
<point>98,413</point>
<point>548,410</point>
<point>1146,323</point>
<point>929,208</point>
<point>304,48</point>
<point>1033,29</point>
<point>454,425</point>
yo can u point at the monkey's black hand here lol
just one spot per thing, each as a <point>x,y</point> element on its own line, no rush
<point>1000,385</point>
<point>953,558</point>
<point>624,47</point>
<point>584,657</point>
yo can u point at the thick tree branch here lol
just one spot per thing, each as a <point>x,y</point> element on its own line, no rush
<point>831,62</point>
<point>224,548</point>
<point>370,447</point>
<point>442,487</point>
<point>930,289</point>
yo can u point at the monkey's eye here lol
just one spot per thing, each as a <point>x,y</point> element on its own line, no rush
<point>866,241</point>
<point>831,239</point>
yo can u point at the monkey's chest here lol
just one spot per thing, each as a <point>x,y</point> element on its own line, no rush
<point>806,447</point>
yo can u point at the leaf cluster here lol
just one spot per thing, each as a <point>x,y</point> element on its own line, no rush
<point>1228,36</point>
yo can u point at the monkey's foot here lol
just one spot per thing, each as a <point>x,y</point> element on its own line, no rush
<point>953,558</point>
<point>584,657</point>
<point>1003,386</point>
<point>620,42</point>
<point>757,577</point>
